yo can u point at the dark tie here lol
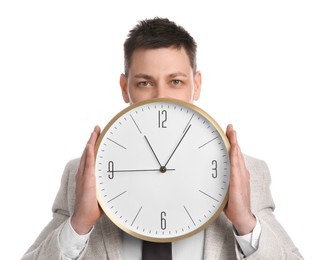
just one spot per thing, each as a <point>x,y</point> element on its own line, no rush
<point>156,251</point>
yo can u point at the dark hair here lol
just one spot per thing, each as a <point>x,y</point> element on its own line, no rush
<point>158,33</point>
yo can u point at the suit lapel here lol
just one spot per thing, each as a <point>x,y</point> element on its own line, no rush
<point>215,236</point>
<point>112,237</point>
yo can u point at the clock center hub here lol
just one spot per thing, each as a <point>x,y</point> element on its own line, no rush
<point>163,169</point>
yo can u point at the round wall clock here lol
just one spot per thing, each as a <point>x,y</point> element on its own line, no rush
<point>162,170</point>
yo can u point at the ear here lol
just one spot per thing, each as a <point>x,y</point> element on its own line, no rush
<point>197,87</point>
<point>124,88</point>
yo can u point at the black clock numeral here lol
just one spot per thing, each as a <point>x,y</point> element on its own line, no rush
<point>163,220</point>
<point>162,118</point>
<point>110,169</point>
<point>214,174</point>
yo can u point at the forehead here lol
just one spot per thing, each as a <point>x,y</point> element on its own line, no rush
<point>168,60</point>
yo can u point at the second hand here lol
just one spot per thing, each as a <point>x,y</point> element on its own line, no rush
<point>144,170</point>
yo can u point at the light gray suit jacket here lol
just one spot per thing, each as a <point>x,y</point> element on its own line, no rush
<point>106,239</point>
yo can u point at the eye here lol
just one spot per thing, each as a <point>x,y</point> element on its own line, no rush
<point>143,84</point>
<point>176,82</point>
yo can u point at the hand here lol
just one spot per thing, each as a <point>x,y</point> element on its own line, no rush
<point>152,151</point>
<point>238,209</point>
<point>87,210</point>
<point>141,170</point>
<point>184,134</point>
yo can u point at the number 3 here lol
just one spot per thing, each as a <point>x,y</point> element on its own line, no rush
<point>214,174</point>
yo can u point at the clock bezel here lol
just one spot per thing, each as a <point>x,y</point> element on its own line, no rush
<point>103,204</point>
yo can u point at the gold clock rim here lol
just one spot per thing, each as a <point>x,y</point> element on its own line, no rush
<point>182,103</point>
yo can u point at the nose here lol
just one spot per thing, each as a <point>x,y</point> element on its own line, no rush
<point>161,91</point>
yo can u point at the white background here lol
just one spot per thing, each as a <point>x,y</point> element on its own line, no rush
<point>262,64</point>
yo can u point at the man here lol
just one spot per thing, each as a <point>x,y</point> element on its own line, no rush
<point>160,61</point>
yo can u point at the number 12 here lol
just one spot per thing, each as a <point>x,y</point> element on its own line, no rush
<point>162,118</point>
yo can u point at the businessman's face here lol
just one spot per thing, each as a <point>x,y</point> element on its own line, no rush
<point>160,73</point>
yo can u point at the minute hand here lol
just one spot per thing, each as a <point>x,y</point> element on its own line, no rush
<point>177,145</point>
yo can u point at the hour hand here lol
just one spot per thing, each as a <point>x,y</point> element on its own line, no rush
<point>152,150</point>
<point>162,168</point>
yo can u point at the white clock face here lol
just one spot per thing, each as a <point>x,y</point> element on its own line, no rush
<point>162,170</point>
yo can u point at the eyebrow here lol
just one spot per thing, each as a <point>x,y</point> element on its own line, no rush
<point>172,75</point>
<point>142,76</point>
<point>177,74</point>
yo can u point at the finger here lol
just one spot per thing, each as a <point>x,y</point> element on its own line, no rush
<point>231,135</point>
<point>94,135</point>
<point>239,153</point>
<point>229,130</point>
<point>237,156</point>
<point>90,144</point>
<point>82,161</point>
<point>239,172</point>
<point>234,153</point>
<point>89,161</point>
